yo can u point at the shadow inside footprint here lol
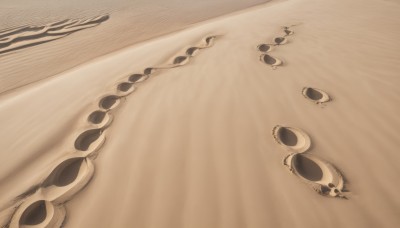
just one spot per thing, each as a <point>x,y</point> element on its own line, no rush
<point>149,70</point>
<point>85,139</point>
<point>192,51</point>
<point>180,59</point>
<point>267,59</point>
<point>109,102</point>
<point>209,39</point>
<point>280,40</point>
<point>287,137</point>
<point>65,173</point>
<point>34,214</point>
<point>135,77</point>
<point>96,117</point>
<point>125,86</point>
<point>316,95</point>
<point>264,47</point>
<point>307,168</point>
<point>293,139</point>
<point>313,94</point>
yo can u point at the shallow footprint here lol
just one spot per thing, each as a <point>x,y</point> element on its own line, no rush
<point>293,139</point>
<point>280,40</point>
<point>287,31</point>
<point>322,176</point>
<point>264,47</point>
<point>269,60</point>
<point>209,41</point>
<point>192,51</point>
<point>316,95</point>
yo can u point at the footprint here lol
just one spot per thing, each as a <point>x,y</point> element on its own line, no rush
<point>109,102</point>
<point>316,95</point>
<point>90,140</point>
<point>293,139</point>
<point>280,40</point>
<point>269,60</point>
<point>181,60</point>
<point>38,213</point>
<point>192,51</point>
<point>322,176</point>
<point>100,118</point>
<point>210,41</point>
<point>287,31</point>
<point>149,70</point>
<point>34,214</point>
<point>65,173</point>
<point>264,47</point>
<point>134,78</point>
<point>67,178</point>
<point>125,88</point>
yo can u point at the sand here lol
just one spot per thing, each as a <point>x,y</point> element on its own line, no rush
<point>203,127</point>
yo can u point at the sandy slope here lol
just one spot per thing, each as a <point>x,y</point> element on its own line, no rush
<point>130,23</point>
<point>192,146</point>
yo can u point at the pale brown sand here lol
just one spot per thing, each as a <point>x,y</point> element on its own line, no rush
<point>192,145</point>
<point>130,22</point>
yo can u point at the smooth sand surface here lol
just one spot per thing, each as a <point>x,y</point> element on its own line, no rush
<point>130,22</point>
<point>197,143</point>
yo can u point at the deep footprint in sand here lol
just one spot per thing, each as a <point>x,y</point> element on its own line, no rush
<point>38,213</point>
<point>109,102</point>
<point>316,95</point>
<point>101,119</point>
<point>293,139</point>
<point>90,140</point>
<point>271,61</point>
<point>322,176</point>
<point>125,88</point>
<point>67,178</point>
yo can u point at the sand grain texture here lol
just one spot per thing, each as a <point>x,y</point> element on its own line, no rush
<point>189,144</point>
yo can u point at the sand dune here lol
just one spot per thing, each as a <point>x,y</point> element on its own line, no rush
<point>176,131</point>
<point>28,36</point>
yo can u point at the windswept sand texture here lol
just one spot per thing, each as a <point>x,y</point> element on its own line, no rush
<point>28,36</point>
<point>165,133</point>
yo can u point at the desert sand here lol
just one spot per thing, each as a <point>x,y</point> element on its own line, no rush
<point>281,114</point>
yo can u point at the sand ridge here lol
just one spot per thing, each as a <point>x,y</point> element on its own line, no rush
<point>27,36</point>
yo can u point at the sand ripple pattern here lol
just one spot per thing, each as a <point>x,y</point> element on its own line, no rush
<point>43,204</point>
<point>27,36</point>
